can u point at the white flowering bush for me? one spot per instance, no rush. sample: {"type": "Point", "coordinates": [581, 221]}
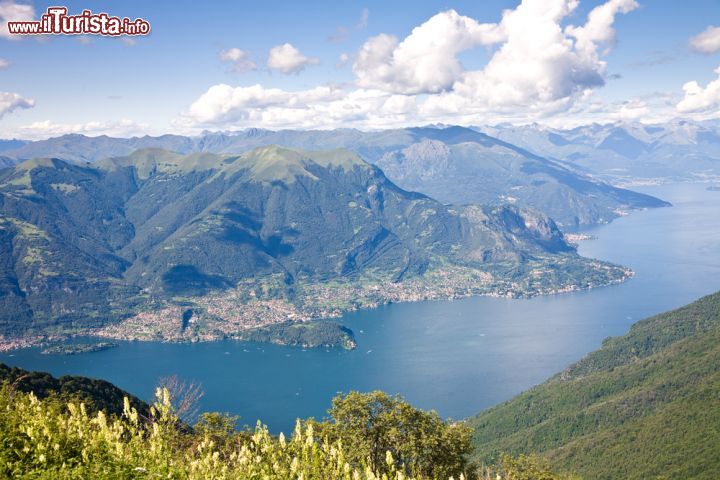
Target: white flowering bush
{"type": "Point", "coordinates": [56, 439]}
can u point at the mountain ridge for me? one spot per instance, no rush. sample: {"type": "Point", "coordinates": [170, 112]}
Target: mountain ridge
{"type": "Point", "coordinates": [568, 194]}
{"type": "Point", "coordinates": [154, 235]}
{"type": "Point", "coordinates": [626, 153]}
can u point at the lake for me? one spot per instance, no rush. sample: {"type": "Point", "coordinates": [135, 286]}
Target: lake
{"type": "Point", "coordinates": [457, 357]}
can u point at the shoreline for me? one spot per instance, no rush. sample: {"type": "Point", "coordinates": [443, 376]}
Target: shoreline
{"type": "Point", "coordinates": [171, 316]}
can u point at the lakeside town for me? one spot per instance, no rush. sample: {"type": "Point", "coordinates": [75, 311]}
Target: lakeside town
{"type": "Point", "coordinates": [234, 313]}
{"type": "Point", "coordinates": [254, 305]}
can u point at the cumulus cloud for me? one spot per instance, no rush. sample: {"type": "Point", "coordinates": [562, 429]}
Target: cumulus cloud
{"type": "Point", "coordinates": [12, 101]}
{"type": "Point", "coordinates": [538, 65]}
{"type": "Point", "coordinates": [4, 63]}
{"type": "Point", "coordinates": [223, 103]}
{"type": "Point", "coordinates": [239, 59]}
{"type": "Point", "coordinates": [14, 12]}
{"type": "Point", "coordinates": [536, 60]}
{"type": "Point", "coordinates": [599, 25]}
{"type": "Point", "coordinates": [47, 129]}
{"type": "Point", "coordinates": [699, 99]}
{"type": "Point", "coordinates": [631, 110]}
{"type": "Point", "coordinates": [655, 107]}
{"type": "Point", "coordinates": [320, 107]}
{"type": "Point", "coordinates": [287, 59]}
{"type": "Point", "coordinates": [426, 60]}
{"type": "Point", "coordinates": [707, 41]}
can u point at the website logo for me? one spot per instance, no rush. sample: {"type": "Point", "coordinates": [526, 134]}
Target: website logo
{"type": "Point", "coordinates": [56, 21]}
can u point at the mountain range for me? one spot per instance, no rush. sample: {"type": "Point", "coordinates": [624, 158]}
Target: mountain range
{"type": "Point", "coordinates": [434, 161]}
{"type": "Point", "coordinates": [154, 234]}
{"type": "Point", "coordinates": [626, 152]}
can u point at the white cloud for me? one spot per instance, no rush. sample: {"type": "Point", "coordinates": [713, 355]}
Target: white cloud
{"type": "Point", "coordinates": [426, 60]}
{"type": "Point", "coordinates": [320, 107]}
{"type": "Point", "coordinates": [538, 66]}
{"type": "Point", "coordinates": [541, 68]}
{"type": "Point", "coordinates": [656, 107]}
{"type": "Point", "coordinates": [631, 110]}
{"type": "Point", "coordinates": [343, 59]}
{"type": "Point", "coordinates": [47, 129]}
{"type": "Point", "coordinates": [288, 59]}
{"type": "Point", "coordinates": [4, 63]}
{"type": "Point", "coordinates": [12, 101]}
{"type": "Point", "coordinates": [699, 99]}
{"type": "Point", "coordinates": [599, 25]}
{"type": "Point", "coordinates": [223, 103]}
{"type": "Point", "coordinates": [536, 62]}
{"type": "Point", "coordinates": [14, 12]}
{"type": "Point", "coordinates": [239, 59]}
{"type": "Point", "coordinates": [707, 41]}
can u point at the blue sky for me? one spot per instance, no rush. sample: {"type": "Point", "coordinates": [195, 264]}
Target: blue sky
{"type": "Point", "coordinates": [631, 63]}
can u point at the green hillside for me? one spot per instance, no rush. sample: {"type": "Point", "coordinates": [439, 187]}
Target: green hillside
{"type": "Point", "coordinates": [161, 246]}
{"type": "Point", "coordinates": [96, 394]}
{"type": "Point", "coordinates": [644, 406]}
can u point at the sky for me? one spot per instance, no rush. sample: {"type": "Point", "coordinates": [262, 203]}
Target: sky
{"type": "Point", "coordinates": [224, 66]}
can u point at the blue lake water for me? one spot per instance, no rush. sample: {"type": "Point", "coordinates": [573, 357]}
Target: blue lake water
{"type": "Point", "coordinates": [457, 357]}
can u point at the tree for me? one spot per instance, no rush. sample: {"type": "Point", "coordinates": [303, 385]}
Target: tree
{"type": "Point", "coordinates": [369, 425]}
{"type": "Point", "coordinates": [524, 467]}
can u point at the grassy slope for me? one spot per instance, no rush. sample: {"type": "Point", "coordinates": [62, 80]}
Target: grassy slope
{"type": "Point", "coordinates": [646, 405]}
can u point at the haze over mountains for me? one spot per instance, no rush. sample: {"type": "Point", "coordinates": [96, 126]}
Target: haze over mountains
{"type": "Point", "coordinates": [84, 245]}
{"type": "Point", "coordinates": [434, 161]}
{"type": "Point", "coordinates": [679, 150]}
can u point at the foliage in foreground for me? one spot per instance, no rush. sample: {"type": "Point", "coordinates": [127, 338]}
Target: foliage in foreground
{"type": "Point", "coordinates": [371, 425]}
{"type": "Point", "coordinates": [524, 467]}
{"type": "Point", "coordinates": [54, 438]}
{"type": "Point", "coordinates": [46, 439]}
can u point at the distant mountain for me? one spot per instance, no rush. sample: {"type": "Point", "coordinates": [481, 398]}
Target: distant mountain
{"type": "Point", "coordinates": [434, 161]}
{"type": "Point", "coordinates": [646, 405]}
{"type": "Point", "coordinates": [154, 235]}
{"type": "Point", "coordinates": [626, 152]}
{"type": "Point", "coordinates": [11, 144]}
{"type": "Point", "coordinates": [457, 165]}
{"type": "Point", "coordinates": [82, 149]}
